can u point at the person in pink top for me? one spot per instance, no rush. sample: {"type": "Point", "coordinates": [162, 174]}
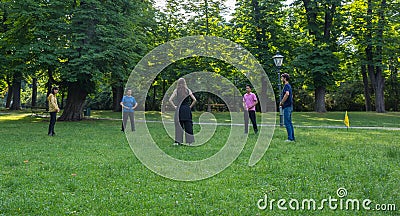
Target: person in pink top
{"type": "Point", "coordinates": [249, 104]}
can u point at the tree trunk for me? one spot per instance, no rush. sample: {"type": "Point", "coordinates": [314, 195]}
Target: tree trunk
{"type": "Point", "coordinates": [163, 87]}
{"type": "Point", "coordinates": [368, 49]}
{"type": "Point", "coordinates": [322, 35]}
{"type": "Point", "coordinates": [261, 43]}
{"type": "Point", "coordinates": [311, 13]}
{"type": "Point", "coordinates": [329, 13]}
{"type": "Point", "coordinates": [370, 67]}
{"type": "Point", "coordinates": [320, 99]}
{"type": "Point", "coordinates": [367, 94]}
{"type": "Point", "coordinates": [9, 94]}
{"type": "Point", "coordinates": [257, 17]}
{"type": "Point", "coordinates": [118, 93]}
{"type": "Point", "coordinates": [396, 92]}
{"type": "Point", "coordinates": [74, 107]}
{"type": "Point", "coordinates": [50, 81]}
{"type": "Point", "coordinates": [16, 92]}
{"type": "Point", "coordinates": [49, 84]}
{"type": "Point", "coordinates": [207, 24]}
{"type": "Point", "coordinates": [263, 96]}
{"type": "Point", "coordinates": [395, 88]}
{"type": "Point", "coordinates": [62, 100]}
{"type": "Point", "coordinates": [34, 92]}
{"type": "Point", "coordinates": [380, 80]}
{"type": "Point", "coordinates": [154, 98]}
{"type": "Point", "coordinates": [379, 93]}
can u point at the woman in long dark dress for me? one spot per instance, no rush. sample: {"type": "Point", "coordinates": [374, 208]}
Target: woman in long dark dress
{"type": "Point", "coordinates": [183, 114]}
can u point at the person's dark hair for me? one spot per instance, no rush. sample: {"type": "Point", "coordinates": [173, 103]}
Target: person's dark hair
{"type": "Point", "coordinates": [54, 88]}
{"type": "Point", "coordinates": [248, 85]}
{"type": "Point", "coordinates": [286, 76]}
{"type": "Point", "coordinates": [126, 91]}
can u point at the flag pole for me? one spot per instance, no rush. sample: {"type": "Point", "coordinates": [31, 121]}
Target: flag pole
{"type": "Point", "coordinates": [346, 121]}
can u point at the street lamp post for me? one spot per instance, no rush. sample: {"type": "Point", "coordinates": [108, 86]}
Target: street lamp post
{"type": "Point", "coordinates": [278, 60]}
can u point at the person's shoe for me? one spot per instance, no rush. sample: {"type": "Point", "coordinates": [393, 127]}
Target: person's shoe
{"type": "Point", "coordinates": [176, 144]}
{"type": "Point", "coordinates": [289, 140]}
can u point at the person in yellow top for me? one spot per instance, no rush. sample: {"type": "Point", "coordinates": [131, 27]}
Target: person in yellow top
{"type": "Point", "coordinates": [53, 109]}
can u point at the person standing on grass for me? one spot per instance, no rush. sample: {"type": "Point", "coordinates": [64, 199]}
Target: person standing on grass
{"type": "Point", "coordinates": [287, 105]}
{"type": "Point", "coordinates": [249, 104]}
{"type": "Point", "coordinates": [53, 110]}
{"type": "Point", "coordinates": [129, 105]}
{"type": "Point", "coordinates": [183, 114]}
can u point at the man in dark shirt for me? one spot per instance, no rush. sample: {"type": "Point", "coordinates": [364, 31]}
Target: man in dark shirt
{"type": "Point", "coordinates": [287, 106]}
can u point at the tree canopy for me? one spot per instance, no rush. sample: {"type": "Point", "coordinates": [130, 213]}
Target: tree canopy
{"type": "Point", "coordinates": [341, 54]}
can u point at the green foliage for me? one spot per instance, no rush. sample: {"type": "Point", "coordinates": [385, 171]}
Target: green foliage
{"type": "Point", "coordinates": [95, 41]}
{"type": "Point", "coordinates": [371, 38]}
{"type": "Point", "coordinates": [349, 97]}
{"type": "Point", "coordinates": [393, 90]}
{"type": "Point", "coordinates": [101, 99]}
{"type": "Point", "coordinates": [303, 100]}
{"type": "Point", "coordinates": [318, 64]}
{"type": "Point", "coordinates": [259, 27]}
{"type": "Point", "coordinates": [207, 17]}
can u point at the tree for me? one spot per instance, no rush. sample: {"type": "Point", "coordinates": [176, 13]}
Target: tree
{"type": "Point", "coordinates": [126, 42]}
{"type": "Point", "coordinates": [392, 52]}
{"type": "Point", "coordinates": [16, 44]}
{"type": "Point", "coordinates": [104, 38]}
{"type": "Point", "coordinates": [260, 26]}
{"type": "Point", "coordinates": [184, 18]}
{"type": "Point", "coordinates": [372, 26]}
{"type": "Point", "coordinates": [5, 52]}
{"type": "Point", "coordinates": [49, 41]}
{"type": "Point", "coordinates": [375, 64]}
{"type": "Point", "coordinates": [31, 41]}
{"type": "Point", "coordinates": [321, 24]}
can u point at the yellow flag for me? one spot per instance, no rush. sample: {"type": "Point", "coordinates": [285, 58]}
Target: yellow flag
{"type": "Point", "coordinates": [346, 120]}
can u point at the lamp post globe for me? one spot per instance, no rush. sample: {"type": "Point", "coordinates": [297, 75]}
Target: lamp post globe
{"type": "Point", "coordinates": [278, 60]}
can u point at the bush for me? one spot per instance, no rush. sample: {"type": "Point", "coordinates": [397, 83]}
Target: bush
{"type": "Point", "coordinates": [349, 96]}
{"type": "Point", "coordinates": [101, 100]}
{"type": "Point", "coordinates": [303, 100]}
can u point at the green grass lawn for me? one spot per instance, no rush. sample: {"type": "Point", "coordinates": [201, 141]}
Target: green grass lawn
{"type": "Point", "coordinates": [389, 119]}
{"type": "Point", "coordinates": [90, 169]}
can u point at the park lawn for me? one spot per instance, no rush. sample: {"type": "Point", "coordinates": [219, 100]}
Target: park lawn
{"type": "Point", "coordinates": [89, 169]}
{"type": "Point", "coordinates": [357, 119]}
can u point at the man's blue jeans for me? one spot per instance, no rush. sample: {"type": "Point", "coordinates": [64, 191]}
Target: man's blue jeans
{"type": "Point", "coordinates": [287, 119]}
